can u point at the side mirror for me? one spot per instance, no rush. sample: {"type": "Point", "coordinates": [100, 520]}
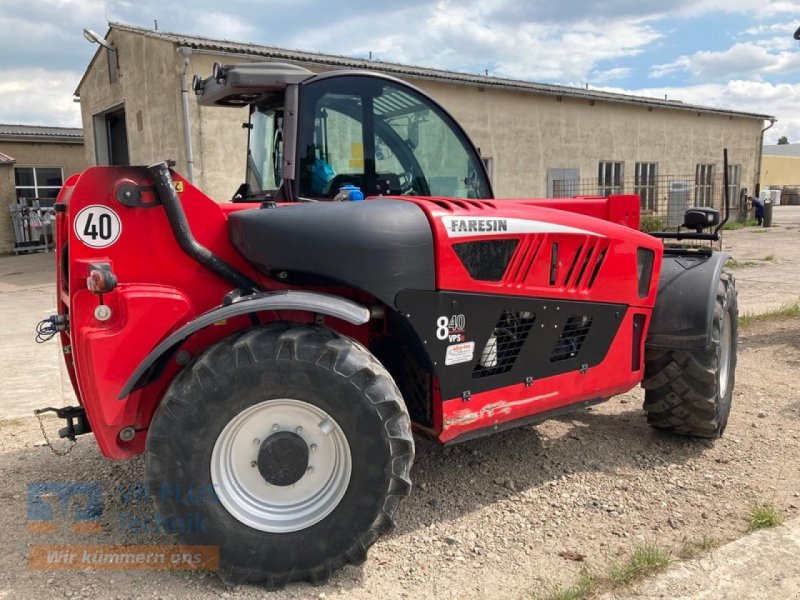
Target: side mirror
{"type": "Point", "coordinates": [700, 218]}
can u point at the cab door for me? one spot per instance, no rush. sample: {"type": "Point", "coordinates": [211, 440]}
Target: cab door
{"type": "Point", "coordinates": [383, 136]}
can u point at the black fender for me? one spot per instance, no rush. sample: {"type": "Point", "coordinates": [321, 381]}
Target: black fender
{"type": "Point", "coordinates": [687, 291]}
{"type": "Point", "coordinates": [333, 306]}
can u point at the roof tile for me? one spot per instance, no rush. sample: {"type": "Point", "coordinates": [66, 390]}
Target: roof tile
{"type": "Point", "coordinates": [40, 132]}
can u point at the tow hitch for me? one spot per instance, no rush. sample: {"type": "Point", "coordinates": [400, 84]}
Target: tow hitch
{"type": "Point", "coordinates": [77, 423]}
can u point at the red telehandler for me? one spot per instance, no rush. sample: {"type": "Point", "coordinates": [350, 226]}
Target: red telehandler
{"type": "Point", "coordinates": [274, 354]}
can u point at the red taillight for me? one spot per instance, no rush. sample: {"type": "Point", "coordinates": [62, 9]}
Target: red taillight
{"type": "Point", "coordinates": [101, 281]}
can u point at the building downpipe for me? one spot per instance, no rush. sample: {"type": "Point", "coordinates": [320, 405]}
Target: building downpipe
{"type": "Point", "coordinates": [757, 180]}
{"type": "Point", "coordinates": [187, 124]}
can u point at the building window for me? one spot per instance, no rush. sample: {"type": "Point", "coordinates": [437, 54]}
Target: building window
{"type": "Point", "coordinates": [704, 185]}
{"type": "Point", "coordinates": [646, 185]}
{"type": "Point", "coordinates": [609, 178]}
{"type": "Point", "coordinates": [41, 183]}
{"type": "Point", "coordinates": [734, 183]}
{"type": "Point", "coordinates": [489, 164]}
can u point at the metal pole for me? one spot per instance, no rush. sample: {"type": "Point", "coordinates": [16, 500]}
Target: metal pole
{"type": "Point", "coordinates": [187, 126]}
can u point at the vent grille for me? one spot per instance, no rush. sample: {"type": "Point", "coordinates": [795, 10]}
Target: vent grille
{"type": "Point", "coordinates": [486, 260]}
{"type": "Point", "coordinates": [571, 339]}
{"type": "Point", "coordinates": [503, 346]}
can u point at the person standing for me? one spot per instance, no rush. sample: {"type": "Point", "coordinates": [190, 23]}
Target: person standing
{"type": "Point", "coordinates": [758, 206]}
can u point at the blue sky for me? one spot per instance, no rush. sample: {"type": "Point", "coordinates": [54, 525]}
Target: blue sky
{"type": "Point", "coordinates": [737, 54]}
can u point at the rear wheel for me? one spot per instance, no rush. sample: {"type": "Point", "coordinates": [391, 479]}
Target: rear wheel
{"type": "Point", "coordinates": [689, 392]}
{"type": "Point", "coordinates": [305, 441]}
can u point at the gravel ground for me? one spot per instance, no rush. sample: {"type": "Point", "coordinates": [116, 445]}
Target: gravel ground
{"type": "Point", "coordinates": [487, 518]}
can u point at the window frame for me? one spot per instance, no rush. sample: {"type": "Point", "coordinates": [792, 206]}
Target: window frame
{"type": "Point", "coordinates": [648, 201]}
{"type": "Point", "coordinates": [617, 181]}
{"type": "Point", "coordinates": [36, 187]}
{"type": "Point", "coordinates": [734, 183]}
{"type": "Point", "coordinates": [704, 184]}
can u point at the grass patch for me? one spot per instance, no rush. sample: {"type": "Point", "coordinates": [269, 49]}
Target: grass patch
{"type": "Point", "coordinates": [643, 561]}
{"type": "Point", "coordinates": [769, 257]}
{"type": "Point", "coordinates": [9, 423]}
{"type": "Point", "coordinates": [692, 548]}
{"type": "Point", "coordinates": [583, 588]}
{"type": "Point", "coordinates": [763, 516]}
{"type": "Point", "coordinates": [734, 225]}
{"type": "Point", "coordinates": [739, 264]}
{"type": "Point", "coordinates": [789, 310]}
{"type": "Point", "coordinates": [648, 224]}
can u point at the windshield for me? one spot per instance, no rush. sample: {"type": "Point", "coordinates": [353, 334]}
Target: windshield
{"type": "Point", "coordinates": [384, 138]}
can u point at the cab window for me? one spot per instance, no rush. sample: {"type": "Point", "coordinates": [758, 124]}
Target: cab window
{"type": "Point", "coordinates": [265, 150]}
{"type": "Point", "coordinates": [384, 138]}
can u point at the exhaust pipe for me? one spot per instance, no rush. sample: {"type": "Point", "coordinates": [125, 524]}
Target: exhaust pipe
{"type": "Point", "coordinates": [165, 190]}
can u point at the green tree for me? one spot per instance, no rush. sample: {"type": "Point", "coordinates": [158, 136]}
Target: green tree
{"type": "Point", "coordinates": [783, 140]}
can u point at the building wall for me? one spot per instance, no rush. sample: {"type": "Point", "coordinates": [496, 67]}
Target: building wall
{"type": "Point", "coordinates": [780, 171]}
{"type": "Point", "coordinates": [218, 140]}
{"type": "Point", "coordinates": [149, 88]}
{"type": "Point", "coordinates": [525, 134]}
{"type": "Point", "coordinates": [6, 198]}
{"type": "Point", "coordinates": [70, 157]}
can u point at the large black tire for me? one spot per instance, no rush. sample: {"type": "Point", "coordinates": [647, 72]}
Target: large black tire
{"type": "Point", "coordinates": [321, 369]}
{"type": "Point", "coordinates": [689, 392]}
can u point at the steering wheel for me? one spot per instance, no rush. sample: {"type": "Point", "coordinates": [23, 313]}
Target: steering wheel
{"type": "Point", "coordinates": [406, 179]}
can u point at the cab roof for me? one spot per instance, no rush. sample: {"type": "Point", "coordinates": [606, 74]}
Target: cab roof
{"type": "Point", "coordinates": [243, 84]}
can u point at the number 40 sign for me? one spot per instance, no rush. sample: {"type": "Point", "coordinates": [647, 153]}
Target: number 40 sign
{"type": "Point", "coordinates": [97, 226]}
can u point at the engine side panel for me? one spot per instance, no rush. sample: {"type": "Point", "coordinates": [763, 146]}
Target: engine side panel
{"type": "Point", "coordinates": [553, 253]}
{"type": "Point", "coordinates": [483, 342]}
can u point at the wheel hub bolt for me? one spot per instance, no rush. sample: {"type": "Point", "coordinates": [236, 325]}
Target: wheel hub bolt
{"type": "Point", "coordinates": [256, 442]}
{"type": "Point", "coordinates": [298, 430]}
{"type": "Point", "coordinates": [310, 469]}
{"type": "Point", "coordinates": [253, 464]}
{"type": "Point", "coordinates": [313, 447]}
{"type": "Point", "coordinates": [275, 427]}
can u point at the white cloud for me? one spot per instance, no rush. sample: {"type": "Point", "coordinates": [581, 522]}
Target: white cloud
{"type": "Point", "coordinates": [741, 59]}
{"type": "Point", "coordinates": [756, 9]}
{"type": "Point", "coordinates": [778, 99]}
{"type": "Point", "coordinates": [610, 75]}
{"type": "Point", "coordinates": [39, 97]}
{"type": "Point", "coordinates": [222, 25]}
{"type": "Point", "coordinates": [462, 37]}
{"type": "Point", "coordinates": [781, 28]}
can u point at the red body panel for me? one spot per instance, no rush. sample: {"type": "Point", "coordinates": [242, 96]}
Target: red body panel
{"type": "Point", "coordinates": [160, 289]}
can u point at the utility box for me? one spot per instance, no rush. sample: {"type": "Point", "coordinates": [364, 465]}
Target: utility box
{"type": "Point", "coordinates": [768, 213]}
{"type": "Point", "coordinates": [678, 199]}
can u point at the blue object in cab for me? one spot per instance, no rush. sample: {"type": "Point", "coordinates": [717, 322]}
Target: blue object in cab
{"type": "Point", "coordinates": [353, 192]}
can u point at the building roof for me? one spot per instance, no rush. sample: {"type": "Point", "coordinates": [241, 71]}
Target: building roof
{"type": "Point", "coordinates": [401, 70]}
{"type": "Point", "coordinates": [781, 150]}
{"type": "Point", "coordinates": [5, 159]}
{"type": "Point", "coordinates": [40, 133]}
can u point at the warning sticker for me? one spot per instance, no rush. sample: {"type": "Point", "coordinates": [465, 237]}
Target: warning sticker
{"type": "Point", "coordinates": [459, 353]}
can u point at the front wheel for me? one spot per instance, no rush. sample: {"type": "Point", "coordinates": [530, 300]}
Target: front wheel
{"type": "Point", "coordinates": [305, 441]}
{"type": "Point", "coordinates": [689, 392]}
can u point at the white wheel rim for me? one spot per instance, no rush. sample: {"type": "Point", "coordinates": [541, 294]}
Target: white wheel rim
{"type": "Point", "coordinates": [242, 489]}
{"type": "Point", "coordinates": [725, 339]}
